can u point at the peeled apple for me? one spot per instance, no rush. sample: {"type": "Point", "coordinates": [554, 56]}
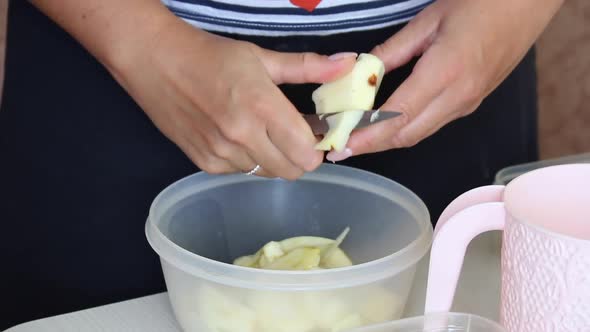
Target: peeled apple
{"type": "Point", "coordinates": [228, 309]}
{"type": "Point", "coordinates": [326, 309]}
{"type": "Point", "coordinates": [299, 253]}
{"type": "Point", "coordinates": [348, 322]}
{"type": "Point", "coordinates": [349, 96]}
{"type": "Point", "coordinates": [341, 125]}
{"type": "Point", "coordinates": [354, 91]}
{"type": "Point", "coordinates": [378, 305]}
{"type": "Point", "coordinates": [224, 309]}
{"type": "Point", "coordinates": [284, 315]}
{"type": "Point", "coordinates": [222, 313]}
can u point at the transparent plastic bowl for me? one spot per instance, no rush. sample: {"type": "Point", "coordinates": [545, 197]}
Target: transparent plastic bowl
{"type": "Point", "coordinates": [507, 174]}
{"type": "Point", "coordinates": [437, 322]}
{"type": "Point", "coordinates": [201, 223]}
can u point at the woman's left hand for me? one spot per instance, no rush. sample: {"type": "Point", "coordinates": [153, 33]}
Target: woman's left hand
{"type": "Point", "coordinates": [466, 49]}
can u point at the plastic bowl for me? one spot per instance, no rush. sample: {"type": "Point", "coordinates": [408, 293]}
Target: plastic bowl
{"type": "Point", "coordinates": [201, 223]}
{"type": "Point", "coordinates": [437, 322]}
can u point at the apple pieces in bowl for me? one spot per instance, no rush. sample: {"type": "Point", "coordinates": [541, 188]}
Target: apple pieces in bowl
{"type": "Point", "coordinates": [299, 253]}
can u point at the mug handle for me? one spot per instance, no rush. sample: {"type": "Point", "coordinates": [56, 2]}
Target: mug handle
{"type": "Point", "coordinates": [472, 213]}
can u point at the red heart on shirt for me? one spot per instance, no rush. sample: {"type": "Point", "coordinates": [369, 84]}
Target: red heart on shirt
{"type": "Point", "coordinates": [308, 5]}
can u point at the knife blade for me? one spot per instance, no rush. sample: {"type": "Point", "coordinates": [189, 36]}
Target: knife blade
{"type": "Point", "coordinates": [319, 124]}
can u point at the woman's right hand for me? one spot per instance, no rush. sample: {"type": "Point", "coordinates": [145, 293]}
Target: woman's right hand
{"type": "Point", "coordinates": [218, 99]}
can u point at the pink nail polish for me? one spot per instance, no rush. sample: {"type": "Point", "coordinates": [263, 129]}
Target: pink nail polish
{"type": "Point", "coordinates": [343, 55]}
{"type": "Point", "coordinates": [334, 156]}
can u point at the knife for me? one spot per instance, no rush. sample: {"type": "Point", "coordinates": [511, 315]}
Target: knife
{"type": "Point", "coordinates": [319, 125]}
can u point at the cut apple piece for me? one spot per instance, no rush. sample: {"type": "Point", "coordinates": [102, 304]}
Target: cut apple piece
{"type": "Point", "coordinates": [341, 125]}
{"type": "Point", "coordinates": [299, 253]}
{"type": "Point", "coordinates": [349, 322]}
{"type": "Point", "coordinates": [335, 259]}
{"type": "Point", "coordinates": [270, 252]}
{"type": "Point", "coordinates": [297, 259]}
{"type": "Point", "coordinates": [279, 312]}
{"type": "Point", "coordinates": [304, 241]}
{"type": "Point", "coordinates": [354, 91]}
{"type": "Point", "coordinates": [327, 250]}
{"type": "Point", "coordinates": [378, 304]}
{"type": "Point", "coordinates": [348, 96]}
{"type": "Point", "coordinates": [221, 312]}
{"type": "Point", "coordinates": [326, 309]}
{"type": "Point", "coordinates": [247, 261]}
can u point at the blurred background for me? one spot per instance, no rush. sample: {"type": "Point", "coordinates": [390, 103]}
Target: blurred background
{"type": "Point", "coordinates": [563, 61]}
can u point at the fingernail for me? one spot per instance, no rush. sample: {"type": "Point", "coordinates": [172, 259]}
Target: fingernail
{"type": "Point", "coordinates": [334, 156]}
{"type": "Point", "coordinates": [343, 55]}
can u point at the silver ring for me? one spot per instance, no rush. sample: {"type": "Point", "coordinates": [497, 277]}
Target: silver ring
{"type": "Point", "coordinates": [254, 170]}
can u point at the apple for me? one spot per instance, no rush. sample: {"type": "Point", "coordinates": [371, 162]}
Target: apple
{"type": "Point", "coordinates": [299, 253]}
{"type": "Point", "coordinates": [349, 96]}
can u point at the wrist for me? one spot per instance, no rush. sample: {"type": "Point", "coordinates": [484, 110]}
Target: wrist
{"type": "Point", "coordinates": [158, 46]}
{"type": "Point", "coordinates": [131, 38]}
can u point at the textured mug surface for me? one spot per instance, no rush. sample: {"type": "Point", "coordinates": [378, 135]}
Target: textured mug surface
{"type": "Point", "coordinates": [545, 216]}
{"type": "Point", "coordinates": [545, 281]}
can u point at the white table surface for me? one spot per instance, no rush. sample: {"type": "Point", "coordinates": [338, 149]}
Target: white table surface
{"type": "Point", "coordinates": [478, 292]}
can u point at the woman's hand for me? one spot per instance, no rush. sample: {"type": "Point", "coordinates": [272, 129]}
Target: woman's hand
{"type": "Point", "coordinates": [216, 98]}
{"type": "Point", "coordinates": [466, 49]}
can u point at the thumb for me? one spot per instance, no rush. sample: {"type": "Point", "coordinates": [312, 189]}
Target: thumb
{"type": "Point", "coordinates": [306, 67]}
{"type": "Point", "coordinates": [410, 41]}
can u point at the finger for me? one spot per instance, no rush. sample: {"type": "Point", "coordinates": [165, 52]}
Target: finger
{"type": "Point", "coordinates": [224, 149]}
{"type": "Point", "coordinates": [433, 74]}
{"type": "Point", "coordinates": [205, 160]}
{"type": "Point", "coordinates": [291, 135]}
{"type": "Point", "coordinates": [271, 159]}
{"type": "Point", "coordinates": [235, 155]}
{"type": "Point", "coordinates": [306, 67]}
{"type": "Point", "coordinates": [239, 158]}
{"type": "Point", "coordinates": [245, 124]}
{"type": "Point", "coordinates": [440, 112]}
{"type": "Point", "coordinates": [410, 41]}
{"type": "Point", "coordinates": [291, 150]}
{"type": "Point", "coordinates": [410, 98]}
{"type": "Point", "coordinates": [196, 145]}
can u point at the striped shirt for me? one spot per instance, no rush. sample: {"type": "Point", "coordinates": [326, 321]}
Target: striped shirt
{"type": "Point", "coordinates": [294, 17]}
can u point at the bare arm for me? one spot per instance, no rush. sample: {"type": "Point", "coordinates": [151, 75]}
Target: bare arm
{"type": "Point", "coordinates": [107, 28]}
{"type": "Point", "coordinates": [216, 98]}
{"type": "Point", "coordinates": [466, 49]}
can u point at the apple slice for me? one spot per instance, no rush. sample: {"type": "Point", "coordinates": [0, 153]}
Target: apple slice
{"type": "Point", "coordinates": [299, 253]}
{"type": "Point", "coordinates": [335, 259]}
{"type": "Point", "coordinates": [247, 261]}
{"type": "Point", "coordinates": [379, 304]}
{"type": "Point", "coordinates": [354, 91]}
{"type": "Point", "coordinates": [341, 125]}
{"type": "Point", "coordinates": [304, 241]}
{"type": "Point", "coordinates": [325, 308]}
{"type": "Point", "coordinates": [270, 252]}
{"type": "Point", "coordinates": [297, 259]}
{"type": "Point", "coordinates": [349, 322]}
{"type": "Point", "coordinates": [220, 311]}
{"type": "Point", "coordinates": [349, 96]}
{"type": "Point", "coordinates": [278, 312]}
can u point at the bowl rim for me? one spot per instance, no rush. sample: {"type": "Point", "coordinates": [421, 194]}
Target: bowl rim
{"type": "Point", "coordinates": [358, 274]}
{"type": "Point", "coordinates": [434, 316]}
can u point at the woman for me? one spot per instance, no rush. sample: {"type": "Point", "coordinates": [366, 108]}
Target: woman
{"type": "Point", "coordinates": [107, 102]}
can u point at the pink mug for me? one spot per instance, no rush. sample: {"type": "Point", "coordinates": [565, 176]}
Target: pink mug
{"type": "Point", "coordinates": [545, 216]}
